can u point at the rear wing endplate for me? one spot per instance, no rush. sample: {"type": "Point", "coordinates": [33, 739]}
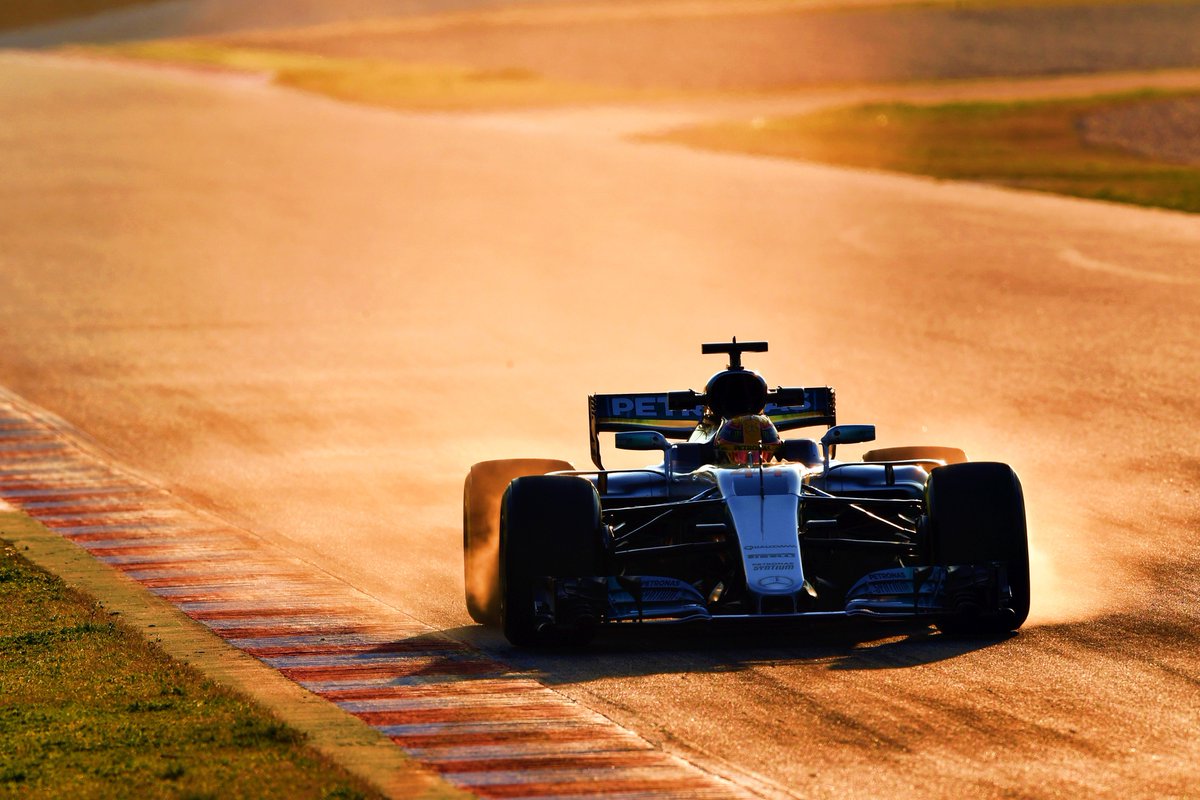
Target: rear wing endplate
{"type": "Point", "coordinates": [676, 414]}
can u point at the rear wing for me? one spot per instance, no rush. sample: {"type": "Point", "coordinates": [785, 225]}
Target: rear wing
{"type": "Point", "coordinates": [676, 414]}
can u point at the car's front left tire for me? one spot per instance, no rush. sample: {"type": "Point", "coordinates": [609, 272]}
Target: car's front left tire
{"type": "Point", "coordinates": [976, 516]}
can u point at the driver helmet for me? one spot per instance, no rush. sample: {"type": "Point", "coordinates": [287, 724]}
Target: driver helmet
{"type": "Point", "coordinates": [747, 441]}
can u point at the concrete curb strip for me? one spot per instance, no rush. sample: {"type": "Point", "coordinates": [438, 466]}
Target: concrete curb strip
{"type": "Point", "coordinates": [358, 747]}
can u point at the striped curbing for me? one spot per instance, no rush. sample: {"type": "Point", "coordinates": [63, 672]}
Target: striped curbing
{"type": "Point", "coordinates": [462, 721]}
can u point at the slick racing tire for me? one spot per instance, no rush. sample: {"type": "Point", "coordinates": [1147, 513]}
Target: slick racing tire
{"type": "Point", "coordinates": [482, 490]}
{"type": "Point", "coordinates": [976, 515]}
{"type": "Point", "coordinates": [951, 455]}
{"type": "Point", "coordinates": [549, 527]}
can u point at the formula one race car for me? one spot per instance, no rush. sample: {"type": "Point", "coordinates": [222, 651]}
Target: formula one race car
{"type": "Point", "coordinates": [738, 523]}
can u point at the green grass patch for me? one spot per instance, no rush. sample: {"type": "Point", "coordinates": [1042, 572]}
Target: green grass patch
{"type": "Point", "coordinates": [89, 708]}
{"type": "Point", "coordinates": [1027, 145]}
{"type": "Point", "coordinates": [381, 82]}
{"type": "Point", "coordinates": [23, 13]}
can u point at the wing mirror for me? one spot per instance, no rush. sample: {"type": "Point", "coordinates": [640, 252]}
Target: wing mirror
{"type": "Point", "coordinates": [844, 434]}
{"type": "Point", "coordinates": [642, 440]}
{"type": "Point", "coordinates": [848, 434]}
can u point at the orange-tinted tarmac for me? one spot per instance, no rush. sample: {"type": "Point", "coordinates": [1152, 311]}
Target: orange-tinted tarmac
{"type": "Point", "coordinates": [311, 318]}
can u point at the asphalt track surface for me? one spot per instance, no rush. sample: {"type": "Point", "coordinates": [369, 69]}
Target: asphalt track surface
{"type": "Point", "coordinates": [310, 319]}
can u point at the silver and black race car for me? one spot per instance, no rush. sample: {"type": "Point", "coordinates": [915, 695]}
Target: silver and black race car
{"type": "Point", "coordinates": [739, 523]}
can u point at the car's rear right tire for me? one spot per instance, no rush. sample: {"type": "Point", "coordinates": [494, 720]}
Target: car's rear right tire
{"type": "Point", "coordinates": [976, 516]}
{"type": "Point", "coordinates": [549, 528]}
{"type": "Point", "coordinates": [482, 490]}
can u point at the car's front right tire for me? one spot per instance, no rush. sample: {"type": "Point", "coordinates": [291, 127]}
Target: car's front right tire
{"type": "Point", "coordinates": [549, 528]}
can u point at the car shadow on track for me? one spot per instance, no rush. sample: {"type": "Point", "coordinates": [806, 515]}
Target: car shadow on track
{"type": "Point", "coordinates": [635, 650]}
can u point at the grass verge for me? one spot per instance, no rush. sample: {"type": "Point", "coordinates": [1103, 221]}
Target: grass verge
{"type": "Point", "coordinates": [89, 708]}
{"type": "Point", "coordinates": [378, 81]}
{"type": "Point", "coordinates": [1028, 145]}
{"type": "Point", "coordinates": [23, 14]}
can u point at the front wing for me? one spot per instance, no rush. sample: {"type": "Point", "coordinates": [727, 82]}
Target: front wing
{"type": "Point", "coordinates": [900, 593]}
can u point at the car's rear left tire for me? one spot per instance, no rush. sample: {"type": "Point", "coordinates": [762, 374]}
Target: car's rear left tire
{"type": "Point", "coordinates": [950, 455]}
{"type": "Point", "coordinates": [976, 516]}
{"type": "Point", "coordinates": [549, 527]}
